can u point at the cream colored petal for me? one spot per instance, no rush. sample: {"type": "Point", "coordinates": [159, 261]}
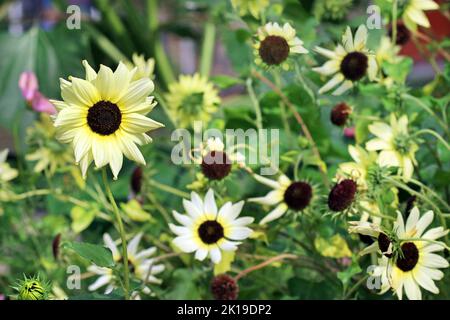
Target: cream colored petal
{"type": "Point", "coordinates": [326, 53]}
{"type": "Point", "coordinates": [210, 206]}
{"type": "Point", "coordinates": [388, 158]}
{"type": "Point", "coordinates": [138, 123]}
{"type": "Point", "coordinates": [270, 183]}
{"type": "Point", "coordinates": [417, 16]}
{"type": "Point", "coordinates": [85, 91]}
{"type": "Point", "coordinates": [82, 143]}
{"type": "Point", "coordinates": [426, 4]}
{"type": "Point", "coordinates": [346, 85]}
{"type": "Point", "coordinates": [90, 73]}
{"type": "Point", "coordinates": [360, 38]}
{"type": "Point", "coordinates": [381, 130]}
{"type": "Point", "coordinates": [412, 289]}
{"type": "Point", "coordinates": [347, 40]}
{"type": "Point", "coordinates": [272, 198]}
{"type": "Point", "coordinates": [133, 244]}
{"type": "Point", "coordinates": [275, 213]}
{"type": "Point", "coordinates": [329, 68]}
{"type": "Point", "coordinates": [336, 80]}
{"type": "Point", "coordinates": [137, 93]}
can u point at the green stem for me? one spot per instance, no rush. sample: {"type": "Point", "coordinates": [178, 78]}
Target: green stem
{"type": "Point", "coordinates": [207, 55]}
{"type": "Point", "coordinates": [420, 184]}
{"type": "Point", "coordinates": [283, 110]}
{"type": "Point", "coordinates": [355, 287]}
{"type": "Point", "coordinates": [421, 104]}
{"type": "Point", "coordinates": [123, 238]}
{"type": "Point", "coordinates": [168, 189]}
{"type": "Point", "coordinates": [162, 61]}
{"type": "Point", "coordinates": [435, 134]}
{"type": "Point", "coordinates": [394, 22]}
{"type": "Point", "coordinates": [255, 103]}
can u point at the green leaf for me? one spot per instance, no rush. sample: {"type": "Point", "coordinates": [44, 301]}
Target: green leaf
{"type": "Point", "coordinates": [399, 70]}
{"type": "Point", "coordinates": [96, 254]}
{"type": "Point", "coordinates": [81, 218]}
{"type": "Point", "coordinates": [224, 81]}
{"type": "Point", "coordinates": [346, 275]}
{"type": "Point", "coordinates": [225, 264]}
{"type": "Point", "coordinates": [184, 285]}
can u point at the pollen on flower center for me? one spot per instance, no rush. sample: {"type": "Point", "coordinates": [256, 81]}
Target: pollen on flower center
{"type": "Point", "coordinates": [216, 165]}
{"type": "Point", "coordinates": [104, 118]}
{"type": "Point", "coordinates": [274, 50]}
{"type": "Point", "coordinates": [410, 257]}
{"type": "Point", "coordinates": [298, 195]}
{"type": "Point", "coordinates": [210, 231]}
{"type": "Point", "coordinates": [354, 66]}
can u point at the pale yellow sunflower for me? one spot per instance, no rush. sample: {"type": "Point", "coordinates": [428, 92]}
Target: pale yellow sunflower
{"type": "Point", "coordinates": [103, 116]}
{"type": "Point", "coordinates": [191, 98]}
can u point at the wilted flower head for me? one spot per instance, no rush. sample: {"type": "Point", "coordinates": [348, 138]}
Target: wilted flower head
{"type": "Point", "coordinates": [340, 113]}
{"type": "Point", "coordinates": [224, 287]}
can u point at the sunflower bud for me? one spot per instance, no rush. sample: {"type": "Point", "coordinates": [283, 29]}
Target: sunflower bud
{"type": "Point", "coordinates": [342, 195]}
{"type": "Point", "coordinates": [136, 180]}
{"type": "Point", "coordinates": [33, 288]}
{"type": "Point", "coordinates": [216, 165]}
{"type": "Point", "coordinates": [340, 113]}
{"type": "Point", "coordinates": [224, 287]}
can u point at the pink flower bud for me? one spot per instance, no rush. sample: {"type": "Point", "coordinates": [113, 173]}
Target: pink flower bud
{"type": "Point", "coordinates": [28, 84]}
{"type": "Point", "coordinates": [42, 104]}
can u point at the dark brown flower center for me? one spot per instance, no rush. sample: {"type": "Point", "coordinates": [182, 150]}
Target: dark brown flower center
{"type": "Point", "coordinates": [340, 113]}
{"type": "Point", "coordinates": [224, 287]}
{"type": "Point", "coordinates": [383, 243]}
{"type": "Point", "coordinates": [410, 257]}
{"type": "Point", "coordinates": [403, 34]}
{"type": "Point", "coordinates": [274, 50]}
{"type": "Point", "coordinates": [342, 195]}
{"type": "Point", "coordinates": [298, 195]}
{"type": "Point", "coordinates": [104, 117]}
{"type": "Point", "coordinates": [354, 65]}
{"type": "Point", "coordinates": [131, 266]}
{"type": "Point", "coordinates": [210, 232]}
{"type": "Point", "coordinates": [216, 165]}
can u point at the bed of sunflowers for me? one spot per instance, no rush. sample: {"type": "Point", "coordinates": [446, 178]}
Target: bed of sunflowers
{"type": "Point", "coordinates": [356, 206]}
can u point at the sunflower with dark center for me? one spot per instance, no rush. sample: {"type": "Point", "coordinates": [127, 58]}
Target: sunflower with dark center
{"type": "Point", "coordinates": [342, 195]}
{"type": "Point", "coordinates": [348, 63]}
{"type": "Point", "coordinates": [417, 261]}
{"type": "Point", "coordinates": [224, 287]}
{"type": "Point", "coordinates": [139, 264]}
{"type": "Point", "coordinates": [275, 44]}
{"type": "Point", "coordinates": [340, 114]}
{"type": "Point", "coordinates": [286, 194]}
{"type": "Point", "coordinates": [207, 230]}
{"type": "Point", "coordinates": [103, 116]}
